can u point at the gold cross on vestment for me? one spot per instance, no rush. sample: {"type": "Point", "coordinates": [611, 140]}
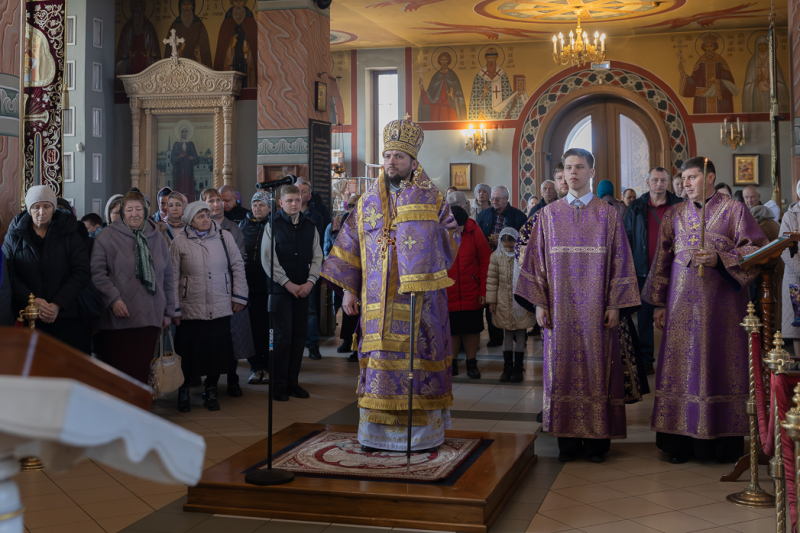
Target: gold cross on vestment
{"type": "Point", "coordinates": [694, 240]}
{"type": "Point", "coordinates": [387, 241]}
{"type": "Point", "coordinates": [373, 216]}
{"type": "Point", "coordinates": [174, 41]}
{"type": "Point", "coordinates": [694, 226]}
{"type": "Point", "coordinates": [410, 242]}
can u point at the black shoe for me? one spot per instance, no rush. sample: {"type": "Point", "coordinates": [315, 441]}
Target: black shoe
{"type": "Point", "coordinates": [568, 457]}
{"type": "Point", "coordinates": [256, 377]}
{"type": "Point", "coordinates": [648, 367]}
{"type": "Point", "coordinates": [184, 400]}
{"type": "Point", "coordinates": [494, 344]}
{"type": "Point", "coordinates": [345, 347]}
{"type": "Point", "coordinates": [313, 352]}
{"type": "Point", "coordinates": [472, 369]}
{"type": "Point", "coordinates": [597, 458]}
{"type": "Point", "coordinates": [679, 458]}
{"type": "Point", "coordinates": [210, 399]}
{"type": "Point", "coordinates": [455, 367]}
{"type": "Point", "coordinates": [280, 395]}
{"type": "Point", "coordinates": [516, 373]}
{"type": "Point", "coordinates": [353, 358]}
{"type": "Point", "coordinates": [539, 417]}
{"type": "Point", "coordinates": [234, 390]}
{"type": "Point", "coordinates": [508, 364]}
{"type": "Point", "coordinates": [298, 392]}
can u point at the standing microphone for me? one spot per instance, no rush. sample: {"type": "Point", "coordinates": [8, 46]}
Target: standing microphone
{"type": "Point", "coordinates": [287, 180]}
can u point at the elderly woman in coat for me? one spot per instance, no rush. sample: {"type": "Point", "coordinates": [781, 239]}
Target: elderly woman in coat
{"type": "Point", "coordinates": [132, 270]}
{"type": "Point", "coordinates": [46, 256]}
{"type": "Point", "coordinates": [210, 286]}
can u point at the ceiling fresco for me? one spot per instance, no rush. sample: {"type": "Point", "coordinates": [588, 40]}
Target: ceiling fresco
{"type": "Point", "coordinates": [401, 23]}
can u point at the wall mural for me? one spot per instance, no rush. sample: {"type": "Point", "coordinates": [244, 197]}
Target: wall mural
{"type": "Point", "coordinates": [221, 34]}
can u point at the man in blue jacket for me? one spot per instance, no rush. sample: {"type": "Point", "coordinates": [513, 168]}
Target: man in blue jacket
{"type": "Point", "coordinates": [492, 221]}
{"type": "Point", "coordinates": [642, 222]}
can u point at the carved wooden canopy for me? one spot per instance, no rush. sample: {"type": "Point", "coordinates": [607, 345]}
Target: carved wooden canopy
{"type": "Point", "coordinates": [176, 86]}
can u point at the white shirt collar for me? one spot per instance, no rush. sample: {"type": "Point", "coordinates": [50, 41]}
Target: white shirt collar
{"type": "Point", "coordinates": [586, 198]}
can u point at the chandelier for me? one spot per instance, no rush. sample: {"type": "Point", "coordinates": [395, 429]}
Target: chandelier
{"type": "Point", "coordinates": [580, 49]}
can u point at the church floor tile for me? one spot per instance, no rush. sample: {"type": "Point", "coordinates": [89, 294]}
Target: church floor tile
{"type": "Point", "coordinates": [635, 491]}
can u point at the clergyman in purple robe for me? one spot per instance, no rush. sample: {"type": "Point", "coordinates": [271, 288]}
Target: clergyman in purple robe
{"type": "Point", "coordinates": [702, 375]}
{"type": "Point", "coordinates": [577, 270]}
{"type": "Point", "coordinates": [400, 238]}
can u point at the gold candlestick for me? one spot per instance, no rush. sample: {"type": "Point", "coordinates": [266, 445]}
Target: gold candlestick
{"type": "Point", "coordinates": [792, 427]}
{"type": "Point", "coordinates": [776, 361]}
{"type": "Point", "coordinates": [30, 313]}
{"type": "Point", "coordinates": [753, 495]}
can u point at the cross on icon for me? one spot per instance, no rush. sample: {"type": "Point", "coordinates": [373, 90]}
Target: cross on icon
{"type": "Point", "coordinates": [495, 91]}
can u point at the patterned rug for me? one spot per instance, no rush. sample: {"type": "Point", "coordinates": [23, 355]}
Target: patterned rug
{"type": "Point", "coordinates": [331, 453]}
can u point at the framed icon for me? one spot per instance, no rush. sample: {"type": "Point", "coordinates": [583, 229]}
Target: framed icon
{"type": "Point", "coordinates": [461, 176]}
{"type": "Point", "coordinates": [322, 96]}
{"type": "Point", "coordinates": [746, 169]}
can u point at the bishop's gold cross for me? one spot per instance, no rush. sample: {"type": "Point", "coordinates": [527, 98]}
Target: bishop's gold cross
{"type": "Point", "coordinates": [407, 117]}
{"type": "Point", "coordinates": [387, 241]}
{"type": "Point", "coordinates": [410, 242]}
{"type": "Point", "coordinates": [694, 240]}
{"type": "Point", "coordinates": [373, 216]}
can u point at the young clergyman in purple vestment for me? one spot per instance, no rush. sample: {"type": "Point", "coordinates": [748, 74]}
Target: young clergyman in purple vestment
{"type": "Point", "coordinates": [578, 271]}
{"type": "Point", "coordinates": [702, 377]}
{"type": "Point", "coordinates": [401, 237]}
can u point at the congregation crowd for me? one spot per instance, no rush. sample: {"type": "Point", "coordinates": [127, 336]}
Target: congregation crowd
{"type": "Point", "coordinates": [112, 285]}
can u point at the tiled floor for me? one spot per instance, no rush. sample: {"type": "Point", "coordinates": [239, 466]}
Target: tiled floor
{"type": "Point", "coordinates": [634, 491]}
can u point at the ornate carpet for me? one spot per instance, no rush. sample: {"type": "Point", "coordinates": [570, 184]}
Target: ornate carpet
{"type": "Point", "coordinates": [330, 453]}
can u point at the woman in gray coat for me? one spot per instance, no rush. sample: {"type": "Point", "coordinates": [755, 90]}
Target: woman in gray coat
{"type": "Point", "coordinates": [210, 287]}
{"type": "Point", "coordinates": [132, 270]}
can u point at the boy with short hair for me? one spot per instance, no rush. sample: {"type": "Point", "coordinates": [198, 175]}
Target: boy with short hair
{"type": "Point", "coordinates": [93, 223]}
{"type": "Point", "coordinates": [295, 269]}
{"type": "Point", "coordinates": [576, 274]}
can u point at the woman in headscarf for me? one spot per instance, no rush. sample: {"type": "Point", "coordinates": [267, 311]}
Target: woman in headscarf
{"type": "Point", "coordinates": [176, 203]}
{"type": "Point", "coordinates": [481, 201]}
{"type": "Point", "coordinates": [132, 270]}
{"type": "Point", "coordinates": [46, 257]}
{"type": "Point", "coordinates": [112, 209]}
{"type": "Point", "coordinates": [210, 286]}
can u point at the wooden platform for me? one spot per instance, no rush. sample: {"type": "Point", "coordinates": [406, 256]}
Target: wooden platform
{"type": "Point", "coordinates": [472, 504]}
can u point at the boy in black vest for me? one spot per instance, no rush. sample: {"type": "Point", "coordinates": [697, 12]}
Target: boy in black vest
{"type": "Point", "coordinates": [295, 270]}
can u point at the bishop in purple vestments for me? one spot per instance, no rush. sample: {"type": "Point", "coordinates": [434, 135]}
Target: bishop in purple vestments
{"type": "Point", "coordinates": [401, 238]}
{"type": "Point", "coordinates": [577, 270]}
{"type": "Point", "coordinates": [702, 376]}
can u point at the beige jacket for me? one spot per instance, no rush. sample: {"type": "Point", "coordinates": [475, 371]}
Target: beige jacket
{"type": "Point", "coordinates": [203, 286]}
{"type": "Point", "coordinates": [499, 291]}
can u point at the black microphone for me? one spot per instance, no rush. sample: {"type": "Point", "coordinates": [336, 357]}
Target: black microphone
{"type": "Point", "coordinates": [288, 180]}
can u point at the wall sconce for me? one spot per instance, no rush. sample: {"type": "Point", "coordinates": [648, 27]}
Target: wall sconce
{"type": "Point", "coordinates": [733, 136]}
{"type": "Point", "coordinates": [475, 139]}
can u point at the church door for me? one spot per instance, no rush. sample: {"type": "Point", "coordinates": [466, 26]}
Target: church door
{"type": "Point", "coordinates": [621, 136]}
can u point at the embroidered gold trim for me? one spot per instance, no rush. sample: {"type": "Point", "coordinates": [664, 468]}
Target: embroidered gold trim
{"type": "Point", "coordinates": [431, 276]}
{"type": "Point", "coordinates": [399, 403]}
{"type": "Point", "coordinates": [347, 257]}
{"type": "Point", "coordinates": [416, 217]}
{"type": "Point", "coordinates": [339, 283]}
{"type": "Point", "coordinates": [417, 207]}
{"type": "Point", "coordinates": [397, 418]}
{"type": "Point", "coordinates": [623, 281]}
{"type": "Point", "coordinates": [578, 249]}
{"type": "Point", "coordinates": [394, 365]}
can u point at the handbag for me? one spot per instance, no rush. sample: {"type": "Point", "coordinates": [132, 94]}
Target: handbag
{"type": "Point", "coordinates": [166, 374]}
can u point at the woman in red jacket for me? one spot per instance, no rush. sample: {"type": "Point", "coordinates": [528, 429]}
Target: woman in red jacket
{"type": "Point", "coordinates": [467, 298]}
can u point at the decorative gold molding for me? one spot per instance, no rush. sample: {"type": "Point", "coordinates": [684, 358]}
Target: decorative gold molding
{"type": "Point", "coordinates": [181, 87]}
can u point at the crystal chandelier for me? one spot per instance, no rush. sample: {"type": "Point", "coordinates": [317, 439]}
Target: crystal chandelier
{"type": "Point", "coordinates": [580, 49]}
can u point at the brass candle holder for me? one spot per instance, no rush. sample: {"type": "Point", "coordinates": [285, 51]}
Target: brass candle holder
{"type": "Point", "coordinates": [753, 495]}
{"type": "Point", "coordinates": [792, 427]}
{"type": "Point", "coordinates": [776, 361]}
{"type": "Point", "coordinates": [30, 313]}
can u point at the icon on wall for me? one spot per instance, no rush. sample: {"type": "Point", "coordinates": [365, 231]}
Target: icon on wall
{"type": "Point", "coordinates": [444, 100]}
{"type": "Point", "coordinates": [321, 90]}
{"type": "Point", "coordinates": [711, 83]}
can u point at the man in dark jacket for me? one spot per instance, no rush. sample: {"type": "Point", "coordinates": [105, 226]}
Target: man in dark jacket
{"type": "Point", "coordinates": [492, 221]}
{"type": "Point", "coordinates": [313, 214]}
{"type": "Point", "coordinates": [253, 230]}
{"type": "Point", "coordinates": [233, 211]}
{"type": "Point", "coordinates": [642, 221]}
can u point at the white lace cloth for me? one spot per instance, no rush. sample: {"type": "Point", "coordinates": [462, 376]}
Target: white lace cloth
{"type": "Point", "coordinates": [395, 438]}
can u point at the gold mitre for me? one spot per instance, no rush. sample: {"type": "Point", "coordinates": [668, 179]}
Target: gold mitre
{"type": "Point", "coordinates": [403, 135]}
{"type": "Point", "coordinates": [710, 38]}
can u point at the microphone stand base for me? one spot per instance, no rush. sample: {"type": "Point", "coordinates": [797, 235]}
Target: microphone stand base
{"type": "Point", "coordinates": [269, 476]}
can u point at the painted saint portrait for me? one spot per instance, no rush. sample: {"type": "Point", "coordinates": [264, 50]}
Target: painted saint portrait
{"type": "Point", "coordinates": [491, 89]}
{"type": "Point", "coordinates": [238, 43]}
{"type": "Point", "coordinates": [711, 83]}
{"type": "Point", "coordinates": [190, 27]}
{"type": "Point", "coordinates": [755, 95]}
{"type": "Point", "coordinates": [444, 99]}
{"type": "Point", "coordinates": [138, 46]}
{"type": "Point", "coordinates": [39, 67]}
{"type": "Point", "coordinates": [185, 155]}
